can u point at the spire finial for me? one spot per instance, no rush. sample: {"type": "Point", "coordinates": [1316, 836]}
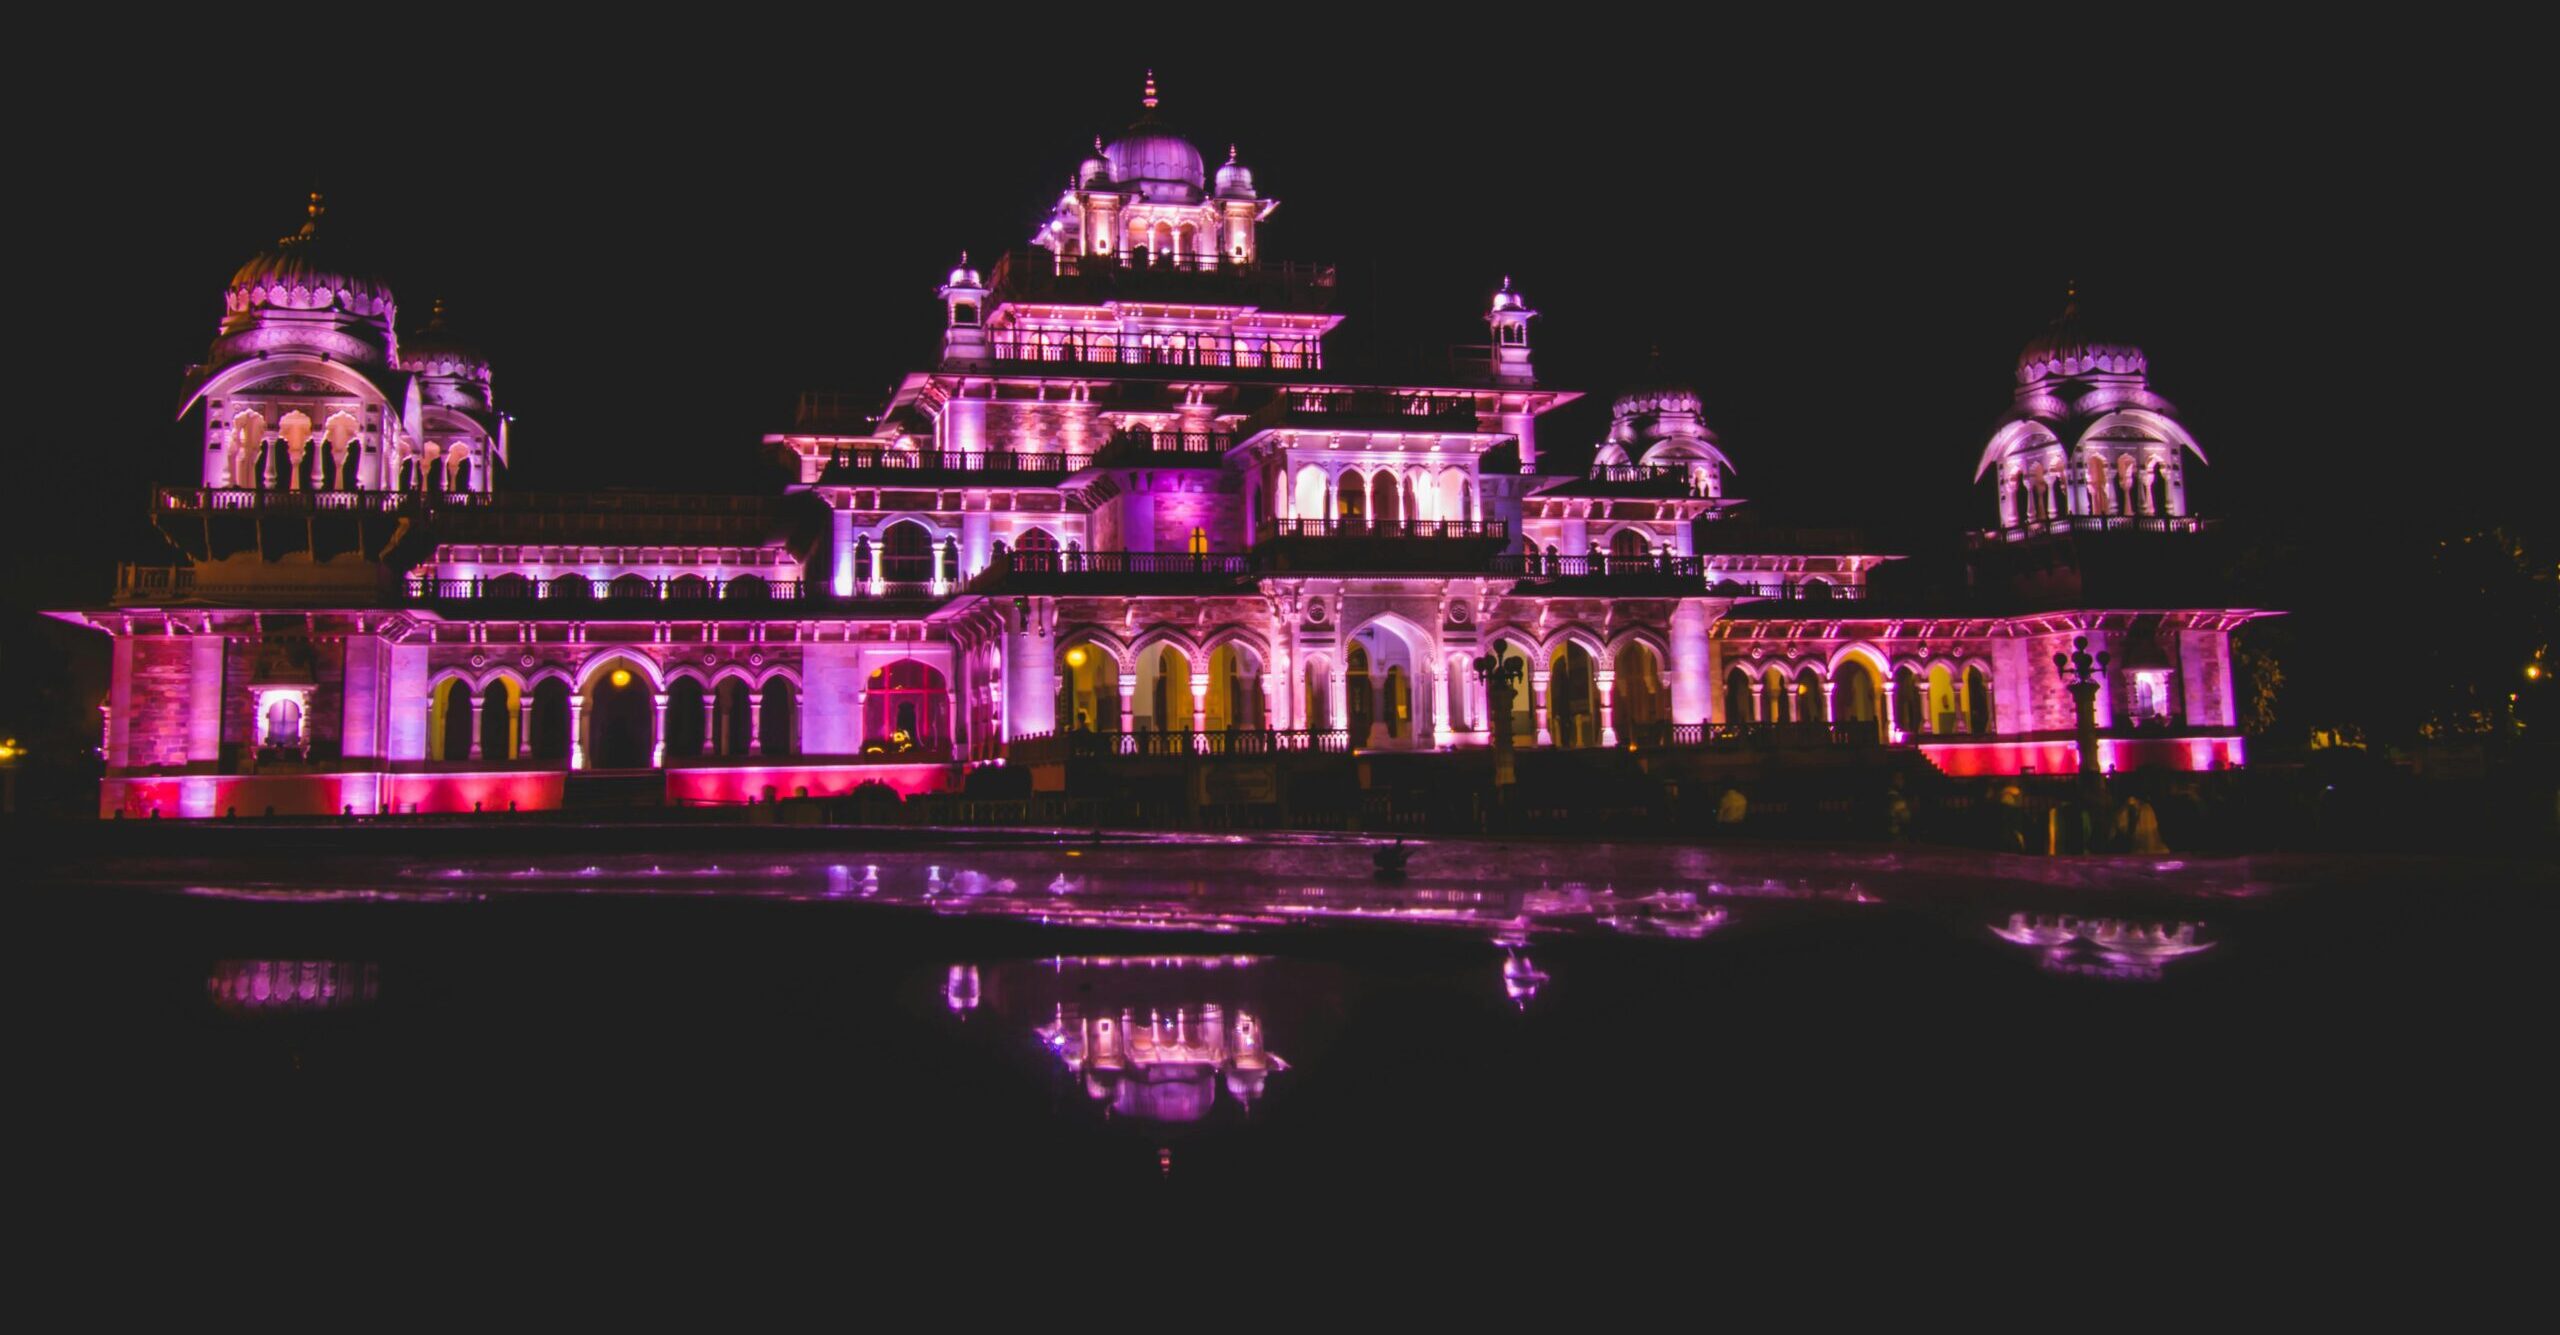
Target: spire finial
{"type": "Point", "coordinates": [311, 223]}
{"type": "Point", "coordinates": [435, 316]}
{"type": "Point", "coordinates": [1097, 146]}
{"type": "Point", "coordinates": [1149, 101]}
{"type": "Point", "coordinates": [964, 259]}
{"type": "Point", "coordinates": [1231, 155]}
{"type": "Point", "coordinates": [2071, 290]}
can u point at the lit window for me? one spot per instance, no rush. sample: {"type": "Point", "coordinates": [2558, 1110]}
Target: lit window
{"type": "Point", "coordinates": [1199, 542]}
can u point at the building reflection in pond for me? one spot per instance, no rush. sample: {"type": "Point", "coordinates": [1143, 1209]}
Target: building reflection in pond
{"type": "Point", "coordinates": [1521, 977]}
{"type": "Point", "coordinates": [273, 987]}
{"type": "Point", "coordinates": [2103, 947]}
{"type": "Point", "coordinates": [1159, 1039]}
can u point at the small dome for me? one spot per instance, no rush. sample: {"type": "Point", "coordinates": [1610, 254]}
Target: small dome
{"type": "Point", "coordinates": [2076, 345]}
{"type": "Point", "coordinates": [1151, 153]}
{"type": "Point", "coordinates": [1235, 180]}
{"type": "Point", "coordinates": [304, 272]}
{"type": "Point", "coordinates": [1508, 300]}
{"type": "Point", "coordinates": [962, 275]}
{"type": "Point", "coordinates": [440, 352]}
{"type": "Point", "coordinates": [1094, 170]}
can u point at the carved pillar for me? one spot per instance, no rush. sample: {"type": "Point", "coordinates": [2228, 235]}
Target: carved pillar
{"type": "Point", "coordinates": [1338, 699]}
{"type": "Point", "coordinates": [577, 732]}
{"type": "Point", "coordinates": [479, 699]}
{"type": "Point", "coordinates": [1759, 700]}
{"type": "Point", "coordinates": [1199, 702]}
{"type": "Point", "coordinates": [710, 721]}
{"type": "Point", "coordinates": [755, 723]}
{"type": "Point", "coordinates": [1602, 681]}
{"type": "Point", "coordinates": [1442, 735]}
{"type": "Point", "coordinates": [1538, 699]}
{"type": "Point", "coordinates": [658, 750]}
{"type": "Point", "coordinates": [1892, 725]}
{"type": "Point", "coordinates": [1128, 700]}
{"type": "Point", "coordinates": [524, 725]}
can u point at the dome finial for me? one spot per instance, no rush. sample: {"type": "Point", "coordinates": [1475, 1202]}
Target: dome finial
{"type": "Point", "coordinates": [964, 259]}
{"type": "Point", "coordinates": [310, 223]}
{"type": "Point", "coordinates": [435, 316]}
{"type": "Point", "coordinates": [2071, 290]}
{"type": "Point", "coordinates": [1149, 101]}
{"type": "Point", "coordinates": [1231, 155]}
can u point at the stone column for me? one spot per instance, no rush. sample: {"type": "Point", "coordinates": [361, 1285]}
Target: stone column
{"type": "Point", "coordinates": [755, 723]}
{"type": "Point", "coordinates": [1030, 673]}
{"type": "Point", "coordinates": [1338, 698]}
{"type": "Point", "coordinates": [479, 700]}
{"type": "Point", "coordinates": [658, 750]}
{"type": "Point", "coordinates": [577, 733]}
{"type": "Point", "coordinates": [1128, 700]}
{"type": "Point", "coordinates": [1538, 698]}
{"type": "Point", "coordinates": [1442, 735]}
{"type": "Point", "coordinates": [1759, 699]}
{"type": "Point", "coordinates": [1690, 668]}
{"type": "Point", "coordinates": [1199, 702]}
{"type": "Point", "coordinates": [841, 580]}
{"type": "Point", "coordinates": [1481, 692]}
{"type": "Point", "coordinates": [1892, 725]}
{"type": "Point", "coordinates": [1602, 681]}
{"type": "Point", "coordinates": [1827, 715]}
{"type": "Point", "coordinates": [710, 721]}
{"type": "Point", "coordinates": [524, 725]}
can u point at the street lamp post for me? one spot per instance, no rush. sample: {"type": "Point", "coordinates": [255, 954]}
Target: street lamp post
{"type": "Point", "coordinates": [2083, 673]}
{"type": "Point", "coordinates": [1501, 677]}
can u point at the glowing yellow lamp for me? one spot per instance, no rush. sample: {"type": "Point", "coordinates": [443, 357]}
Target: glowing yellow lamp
{"type": "Point", "coordinates": [1076, 657]}
{"type": "Point", "coordinates": [621, 677]}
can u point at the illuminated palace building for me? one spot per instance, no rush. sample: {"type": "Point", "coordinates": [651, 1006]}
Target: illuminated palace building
{"type": "Point", "coordinates": [1137, 509]}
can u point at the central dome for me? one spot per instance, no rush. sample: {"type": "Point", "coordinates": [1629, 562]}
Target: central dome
{"type": "Point", "coordinates": [305, 273]}
{"type": "Point", "coordinates": [2075, 345]}
{"type": "Point", "coordinates": [1149, 151]}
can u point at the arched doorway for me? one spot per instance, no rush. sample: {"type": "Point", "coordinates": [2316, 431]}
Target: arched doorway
{"type": "Point", "coordinates": [1317, 715]}
{"type": "Point", "coordinates": [1395, 705]}
{"type": "Point", "coordinates": [1385, 506]}
{"type": "Point", "coordinates": [1573, 704]}
{"type": "Point", "coordinates": [498, 720]}
{"type": "Point", "coordinates": [906, 553]}
{"type": "Point", "coordinates": [732, 721]}
{"type": "Point", "coordinates": [621, 716]}
{"type": "Point", "coordinates": [1907, 714]}
{"type": "Point", "coordinates": [780, 710]}
{"type": "Point", "coordinates": [1524, 704]}
{"type": "Point", "coordinates": [684, 719]}
{"type": "Point", "coordinates": [1977, 701]}
{"type": "Point", "coordinates": [1235, 688]}
{"type": "Point", "coordinates": [449, 721]}
{"type": "Point", "coordinates": [1628, 550]}
{"type": "Point", "coordinates": [1639, 703]}
{"type": "Point", "coordinates": [551, 719]}
{"type": "Point", "coordinates": [1737, 697]}
{"type": "Point", "coordinates": [1360, 703]}
{"type": "Point", "coordinates": [907, 710]}
{"type": "Point", "coordinates": [1088, 689]}
{"type": "Point", "coordinates": [1777, 696]}
{"type": "Point", "coordinates": [1164, 689]}
{"type": "Point", "coordinates": [1945, 714]}
{"type": "Point", "coordinates": [1855, 698]}
{"type": "Point", "coordinates": [1811, 707]}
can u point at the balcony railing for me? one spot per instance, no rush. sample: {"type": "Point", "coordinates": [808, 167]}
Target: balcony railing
{"type": "Point", "coordinates": [1658, 736]}
{"type": "Point", "coordinates": [1205, 449]}
{"type": "Point", "coordinates": [1601, 565]}
{"type": "Point", "coordinates": [681, 596]}
{"type": "Point", "coordinates": [856, 463]}
{"type": "Point", "coordinates": [1234, 352]}
{"type": "Point", "coordinates": [2032, 528]}
{"type": "Point", "coordinates": [1073, 563]}
{"type": "Point", "coordinates": [1053, 747]}
{"type": "Point", "coordinates": [1037, 274]}
{"type": "Point", "coordinates": [1360, 527]}
{"type": "Point", "coordinates": [281, 500]}
{"type": "Point", "coordinates": [1340, 408]}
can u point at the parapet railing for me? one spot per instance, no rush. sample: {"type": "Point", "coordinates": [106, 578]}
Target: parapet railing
{"type": "Point", "coordinates": [290, 500]}
{"type": "Point", "coordinates": [1356, 526]}
{"type": "Point", "coordinates": [735, 596]}
{"type": "Point", "coordinates": [2020, 532]}
{"type": "Point", "coordinates": [847, 461]}
{"type": "Point", "coordinates": [1054, 747]}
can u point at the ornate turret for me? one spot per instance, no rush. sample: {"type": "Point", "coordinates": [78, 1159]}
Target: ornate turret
{"type": "Point", "coordinates": [1656, 428]}
{"type": "Point", "coordinates": [964, 307]}
{"type": "Point", "coordinates": [2086, 443]}
{"type": "Point", "coordinates": [1510, 317]}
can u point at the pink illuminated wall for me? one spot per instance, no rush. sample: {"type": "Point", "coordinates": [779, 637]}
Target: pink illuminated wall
{"type": "Point", "coordinates": [741, 783]}
{"type": "Point", "coordinates": [2122, 754]}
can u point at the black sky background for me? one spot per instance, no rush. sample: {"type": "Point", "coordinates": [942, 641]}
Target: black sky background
{"type": "Point", "coordinates": [1841, 232]}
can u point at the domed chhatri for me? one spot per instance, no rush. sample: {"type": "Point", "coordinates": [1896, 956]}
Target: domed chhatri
{"type": "Point", "coordinates": [439, 351]}
{"type": "Point", "coordinates": [2077, 345]}
{"type": "Point", "coordinates": [1150, 154]}
{"type": "Point", "coordinates": [303, 273]}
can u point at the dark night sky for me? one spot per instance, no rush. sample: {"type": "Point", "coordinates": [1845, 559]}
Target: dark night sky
{"type": "Point", "coordinates": [1841, 234]}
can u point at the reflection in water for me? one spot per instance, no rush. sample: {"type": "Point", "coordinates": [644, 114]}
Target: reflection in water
{"type": "Point", "coordinates": [270, 987]}
{"type": "Point", "coordinates": [2103, 947]}
{"type": "Point", "coordinates": [1665, 913]}
{"type": "Point", "coordinates": [1521, 977]}
{"type": "Point", "coordinates": [1160, 1039]}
